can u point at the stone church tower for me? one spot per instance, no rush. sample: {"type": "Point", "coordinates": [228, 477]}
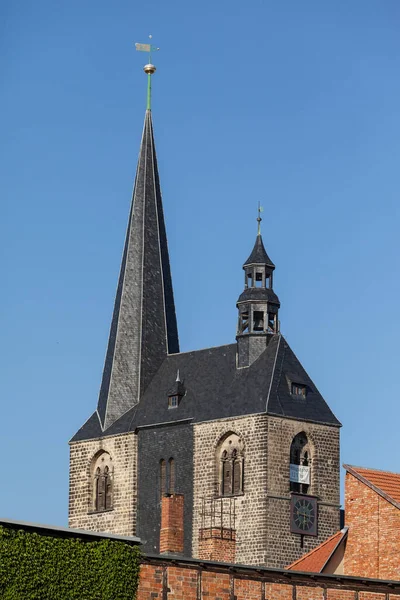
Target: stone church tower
{"type": "Point", "coordinates": [226, 453]}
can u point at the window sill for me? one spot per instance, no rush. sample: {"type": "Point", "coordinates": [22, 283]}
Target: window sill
{"type": "Point", "coordinates": [229, 495]}
{"type": "Point", "coordinates": [100, 512]}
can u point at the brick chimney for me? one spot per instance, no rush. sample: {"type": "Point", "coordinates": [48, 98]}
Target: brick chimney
{"type": "Point", "coordinates": [217, 543]}
{"type": "Point", "coordinates": [171, 532]}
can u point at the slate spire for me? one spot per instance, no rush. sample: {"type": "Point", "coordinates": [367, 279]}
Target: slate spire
{"type": "Point", "coordinates": [259, 255]}
{"type": "Point", "coordinates": [143, 329]}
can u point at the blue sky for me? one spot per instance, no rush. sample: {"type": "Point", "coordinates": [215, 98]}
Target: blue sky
{"type": "Point", "coordinates": [294, 104]}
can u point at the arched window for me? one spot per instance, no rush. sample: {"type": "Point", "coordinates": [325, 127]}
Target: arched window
{"type": "Point", "coordinates": [300, 464]}
{"type": "Point", "coordinates": [171, 486]}
{"type": "Point", "coordinates": [102, 470]}
{"type": "Point", "coordinates": [230, 462]}
{"type": "Point", "coordinates": [163, 477]}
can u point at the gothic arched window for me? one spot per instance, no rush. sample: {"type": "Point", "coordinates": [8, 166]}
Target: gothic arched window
{"type": "Point", "coordinates": [102, 470]}
{"type": "Point", "coordinates": [230, 462]}
{"type": "Point", "coordinates": [300, 464]}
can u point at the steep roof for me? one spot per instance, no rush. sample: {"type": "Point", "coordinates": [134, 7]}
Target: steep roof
{"type": "Point", "coordinates": [315, 560]}
{"type": "Point", "coordinates": [143, 328]}
{"type": "Point", "coordinates": [215, 388]}
{"type": "Point", "coordinates": [259, 255]}
{"type": "Point", "coordinates": [386, 484]}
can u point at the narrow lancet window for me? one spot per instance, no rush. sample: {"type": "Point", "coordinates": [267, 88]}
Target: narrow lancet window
{"type": "Point", "coordinates": [172, 475]}
{"type": "Point", "coordinates": [163, 477]}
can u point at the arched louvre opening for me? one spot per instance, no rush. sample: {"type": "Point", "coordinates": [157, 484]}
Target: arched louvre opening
{"type": "Point", "coordinates": [300, 464]}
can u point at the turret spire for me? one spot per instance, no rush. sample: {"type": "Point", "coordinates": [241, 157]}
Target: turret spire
{"type": "Point", "coordinates": [143, 329]}
{"type": "Point", "coordinates": [258, 305]}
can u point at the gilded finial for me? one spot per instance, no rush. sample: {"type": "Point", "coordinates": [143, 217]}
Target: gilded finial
{"type": "Point", "coordinates": [149, 69]}
{"type": "Point", "coordinates": [259, 219]}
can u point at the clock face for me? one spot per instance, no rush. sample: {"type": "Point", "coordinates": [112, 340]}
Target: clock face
{"type": "Point", "coordinates": [304, 515]}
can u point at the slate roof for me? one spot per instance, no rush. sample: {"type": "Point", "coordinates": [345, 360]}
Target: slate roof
{"type": "Point", "coordinates": [315, 560]}
{"type": "Point", "coordinates": [259, 295]}
{"type": "Point", "coordinates": [384, 483]}
{"type": "Point", "coordinates": [259, 255]}
{"type": "Point", "coordinates": [215, 389]}
{"type": "Point", "coordinates": [143, 328]}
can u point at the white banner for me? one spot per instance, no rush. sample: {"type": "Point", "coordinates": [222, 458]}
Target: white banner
{"type": "Point", "coordinates": [299, 474]}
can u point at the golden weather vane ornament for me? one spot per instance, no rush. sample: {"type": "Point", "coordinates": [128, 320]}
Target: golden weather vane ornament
{"type": "Point", "coordinates": [149, 69]}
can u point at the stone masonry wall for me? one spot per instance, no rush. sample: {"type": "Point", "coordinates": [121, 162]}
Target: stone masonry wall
{"type": "Point", "coordinates": [373, 542]}
{"type": "Point", "coordinates": [250, 507]}
{"type": "Point", "coordinates": [263, 510]}
{"type": "Point", "coordinates": [284, 547]}
{"type": "Point", "coordinates": [122, 518]}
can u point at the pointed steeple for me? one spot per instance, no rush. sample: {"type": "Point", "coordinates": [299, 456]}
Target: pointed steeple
{"type": "Point", "coordinates": [259, 255]}
{"type": "Point", "coordinates": [143, 329]}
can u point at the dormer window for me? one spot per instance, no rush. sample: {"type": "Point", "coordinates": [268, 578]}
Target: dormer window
{"type": "Point", "coordinates": [173, 401]}
{"type": "Point", "coordinates": [176, 392]}
{"type": "Point", "coordinates": [299, 390]}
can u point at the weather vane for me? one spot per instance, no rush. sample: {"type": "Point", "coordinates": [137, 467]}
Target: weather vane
{"type": "Point", "coordinates": [149, 68]}
{"type": "Point", "coordinates": [259, 219]}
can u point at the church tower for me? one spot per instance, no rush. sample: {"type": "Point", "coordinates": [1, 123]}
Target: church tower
{"type": "Point", "coordinates": [225, 453]}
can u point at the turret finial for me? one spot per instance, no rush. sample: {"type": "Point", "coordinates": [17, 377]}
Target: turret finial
{"type": "Point", "coordinates": [259, 219]}
{"type": "Point", "coordinates": [149, 69]}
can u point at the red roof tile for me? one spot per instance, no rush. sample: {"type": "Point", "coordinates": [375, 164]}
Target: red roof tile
{"type": "Point", "coordinates": [314, 561]}
{"type": "Point", "coordinates": [388, 484]}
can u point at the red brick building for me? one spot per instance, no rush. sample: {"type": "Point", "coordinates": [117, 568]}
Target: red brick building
{"type": "Point", "coordinates": [369, 545]}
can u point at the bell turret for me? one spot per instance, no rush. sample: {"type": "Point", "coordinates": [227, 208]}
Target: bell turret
{"type": "Point", "coordinates": [258, 305]}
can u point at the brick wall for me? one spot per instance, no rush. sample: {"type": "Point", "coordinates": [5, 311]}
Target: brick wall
{"type": "Point", "coordinates": [373, 544]}
{"type": "Point", "coordinates": [217, 544]}
{"type": "Point", "coordinates": [122, 518]}
{"type": "Point", "coordinates": [172, 579]}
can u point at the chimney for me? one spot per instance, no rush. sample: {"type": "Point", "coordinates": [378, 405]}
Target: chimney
{"type": "Point", "coordinates": [217, 543]}
{"type": "Point", "coordinates": [171, 532]}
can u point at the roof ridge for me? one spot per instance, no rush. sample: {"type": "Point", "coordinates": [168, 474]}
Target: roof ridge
{"type": "Point", "coordinates": [370, 469]}
{"type": "Point", "coordinates": [201, 349]}
{"type": "Point", "coordinates": [317, 548]}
